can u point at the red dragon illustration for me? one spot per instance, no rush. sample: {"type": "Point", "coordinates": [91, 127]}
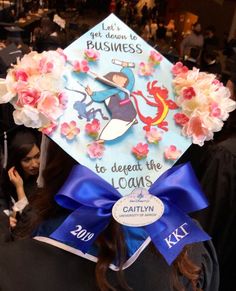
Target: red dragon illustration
{"type": "Point", "coordinates": [161, 102]}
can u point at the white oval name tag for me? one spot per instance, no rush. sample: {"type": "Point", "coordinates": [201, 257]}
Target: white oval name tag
{"type": "Point", "coordinates": [138, 209]}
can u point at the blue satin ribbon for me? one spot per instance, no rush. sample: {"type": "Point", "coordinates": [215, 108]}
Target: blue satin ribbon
{"type": "Point", "coordinates": [90, 198]}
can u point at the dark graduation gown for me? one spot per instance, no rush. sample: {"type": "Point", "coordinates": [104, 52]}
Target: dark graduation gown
{"type": "Point", "coordinates": [36, 266]}
{"type": "Point", "coordinates": [218, 180]}
{"type": "Point", "coordinates": [215, 166]}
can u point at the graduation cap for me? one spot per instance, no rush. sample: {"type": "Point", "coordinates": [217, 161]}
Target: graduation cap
{"type": "Point", "coordinates": [13, 32]}
{"type": "Point", "coordinates": [128, 116]}
{"type": "Point", "coordinates": [120, 91]}
{"type": "Point", "coordinates": [8, 56]}
{"type": "Point", "coordinates": [124, 90]}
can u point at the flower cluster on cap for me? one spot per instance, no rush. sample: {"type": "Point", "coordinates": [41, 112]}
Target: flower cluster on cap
{"type": "Point", "coordinates": [35, 88]}
{"type": "Point", "coordinates": [204, 103]}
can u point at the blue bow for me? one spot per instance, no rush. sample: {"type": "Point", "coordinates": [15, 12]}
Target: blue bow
{"type": "Point", "coordinates": [91, 199]}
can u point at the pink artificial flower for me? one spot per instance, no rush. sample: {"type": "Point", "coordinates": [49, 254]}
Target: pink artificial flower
{"type": "Point", "coordinates": [51, 62]}
{"type": "Point", "coordinates": [188, 93]}
{"type": "Point", "coordinates": [20, 86]}
{"type": "Point", "coordinates": [93, 128]}
{"type": "Point", "coordinates": [30, 117]}
{"type": "Point", "coordinates": [181, 118]}
{"type": "Point", "coordinates": [196, 129]}
{"type": "Point", "coordinates": [61, 52]}
{"type": "Point", "coordinates": [29, 96]}
{"type": "Point", "coordinates": [217, 82]}
{"type": "Point", "coordinates": [45, 66]}
{"type": "Point", "coordinates": [215, 111]}
{"type": "Point", "coordinates": [91, 55]}
{"type": "Point", "coordinates": [145, 69]}
{"type": "Point", "coordinates": [179, 68]}
{"type": "Point", "coordinates": [21, 75]}
{"type": "Point", "coordinates": [140, 150]}
{"type": "Point", "coordinates": [95, 150]}
{"type": "Point", "coordinates": [69, 130]}
{"type": "Point", "coordinates": [28, 63]}
{"type": "Point", "coordinates": [172, 153]}
{"type": "Point", "coordinates": [49, 129]}
{"type": "Point", "coordinates": [155, 58]}
{"type": "Point", "coordinates": [63, 99]}
{"type": "Point", "coordinates": [49, 105]}
{"type": "Point", "coordinates": [153, 135]}
{"type": "Point", "coordinates": [80, 67]}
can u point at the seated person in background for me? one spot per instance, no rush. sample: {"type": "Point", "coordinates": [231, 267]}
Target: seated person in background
{"type": "Point", "coordinates": [14, 48]}
{"type": "Point", "coordinates": [192, 59]}
{"type": "Point", "coordinates": [211, 63]}
{"type": "Point", "coordinates": [7, 14]}
{"type": "Point", "coordinates": [8, 56]}
{"type": "Point", "coordinates": [195, 42]}
{"type": "Point", "coordinates": [14, 37]}
{"type": "Point", "coordinates": [19, 178]}
{"type": "Point", "coordinates": [161, 30]}
{"type": "Point", "coordinates": [146, 31]}
{"type": "Point", "coordinates": [211, 41]}
{"type": "Point", "coordinates": [153, 30]}
{"type": "Point", "coordinates": [170, 31]}
{"type": "Point", "coordinates": [47, 36]}
{"type": "Point", "coordinates": [230, 45]}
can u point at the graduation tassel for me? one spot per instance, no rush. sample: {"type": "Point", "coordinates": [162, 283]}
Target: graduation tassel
{"type": "Point", "coordinates": [43, 158]}
{"type": "Point", "coordinates": [5, 151]}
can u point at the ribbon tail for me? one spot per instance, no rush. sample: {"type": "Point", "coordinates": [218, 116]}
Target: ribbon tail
{"type": "Point", "coordinates": [81, 228]}
{"type": "Point", "coordinates": [174, 231]}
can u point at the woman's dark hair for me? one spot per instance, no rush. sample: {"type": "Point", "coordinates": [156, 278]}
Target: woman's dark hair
{"type": "Point", "coordinates": [20, 145]}
{"type": "Point", "coordinates": [111, 242]}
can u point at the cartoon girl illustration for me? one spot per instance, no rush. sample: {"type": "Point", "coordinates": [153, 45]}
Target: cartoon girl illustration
{"type": "Point", "coordinates": [116, 98]}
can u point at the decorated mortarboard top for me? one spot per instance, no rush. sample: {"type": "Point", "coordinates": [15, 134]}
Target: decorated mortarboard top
{"type": "Point", "coordinates": [13, 32]}
{"type": "Point", "coordinates": [126, 114]}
